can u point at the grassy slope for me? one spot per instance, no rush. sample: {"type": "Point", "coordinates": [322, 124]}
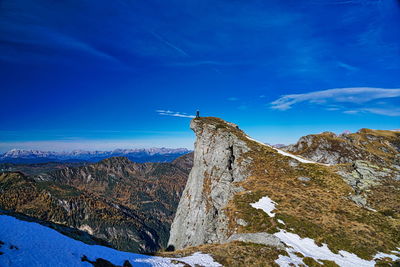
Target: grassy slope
{"type": "Point", "coordinates": [318, 209]}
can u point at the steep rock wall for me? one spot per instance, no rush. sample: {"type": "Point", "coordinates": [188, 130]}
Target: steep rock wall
{"type": "Point", "coordinates": [219, 162]}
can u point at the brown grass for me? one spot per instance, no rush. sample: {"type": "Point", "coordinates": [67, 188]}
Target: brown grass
{"type": "Point", "coordinates": [234, 254]}
{"type": "Point", "coordinates": [318, 209]}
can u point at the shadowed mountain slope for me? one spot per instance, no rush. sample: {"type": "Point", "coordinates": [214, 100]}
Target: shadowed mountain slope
{"type": "Point", "coordinates": [129, 205]}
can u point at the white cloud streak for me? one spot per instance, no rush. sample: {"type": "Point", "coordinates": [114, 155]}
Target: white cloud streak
{"type": "Point", "coordinates": [174, 113]}
{"type": "Point", "coordinates": [208, 63]}
{"type": "Point", "coordinates": [347, 66]}
{"type": "Point", "coordinates": [169, 44]}
{"type": "Point", "coordinates": [352, 95]}
{"type": "Point", "coordinates": [381, 111]}
{"type": "Point", "coordinates": [45, 37]}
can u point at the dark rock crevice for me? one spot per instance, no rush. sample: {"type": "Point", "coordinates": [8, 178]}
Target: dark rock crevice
{"type": "Point", "coordinates": [231, 160]}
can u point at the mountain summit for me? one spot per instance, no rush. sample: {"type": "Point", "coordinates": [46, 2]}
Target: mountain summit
{"type": "Point", "coordinates": [247, 203]}
{"type": "Point", "coordinates": [381, 147]}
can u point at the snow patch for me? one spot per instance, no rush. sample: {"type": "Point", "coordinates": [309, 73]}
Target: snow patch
{"type": "Point", "coordinates": [382, 255]}
{"type": "Point", "coordinates": [197, 259]}
{"type": "Point", "coordinates": [308, 247]}
{"type": "Point", "coordinates": [287, 154]}
{"type": "Point", "coordinates": [294, 157]}
{"type": "Point", "coordinates": [291, 260]}
{"type": "Point", "coordinates": [32, 244]}
{"type": "Point", "coordinates": [266, 204]}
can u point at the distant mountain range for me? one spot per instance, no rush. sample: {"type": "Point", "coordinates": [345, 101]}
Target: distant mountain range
{"type": "Point", "coordinates": [137, 155]}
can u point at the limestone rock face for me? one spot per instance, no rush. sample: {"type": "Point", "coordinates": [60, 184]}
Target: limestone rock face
{"type": "Point", "coordinates": [365, 175]}
{"type": "Point", "coordinates": [257, 238]}
{"type": "Point", "coordinates": [377, 146]}
{"type": "Point", "coordinates": [327, 148]}
{"type": "Point", "coordinates": [219, 161]}
{"type": "Point", "coordinates": [369, 159]}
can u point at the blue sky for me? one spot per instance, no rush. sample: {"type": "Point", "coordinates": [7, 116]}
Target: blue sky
{"type": "Point", "coordinates": [106, 74]}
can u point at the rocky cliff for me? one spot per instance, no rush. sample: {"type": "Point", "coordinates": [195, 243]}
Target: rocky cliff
{"type": "Point", "coordinates": [218, 165]}
{"type": "Point", "coordinates": [250, 204]}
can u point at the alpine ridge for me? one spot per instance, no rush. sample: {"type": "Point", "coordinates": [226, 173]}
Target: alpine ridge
{"type": "Point", "coordinates": [249, 204]}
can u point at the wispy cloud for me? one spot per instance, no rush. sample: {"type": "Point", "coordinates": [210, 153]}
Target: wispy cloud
{"type": "Point", "coordinates": [174, 113]}
{"type": "Point", "coordinates": [394, 112]}
{"type": "Point", "coordinates": [41, 39]}
{"type": "Point", "coordinates": [233, 99]}
{"type": "Point", "coordinates": [209, 63]}
{"type": "Point", "coordinates": [351, 111]}
{"type": "Point", "coordinates": [340, 95]}
{"type": "Point", "coordinates": [171, 45]}
{"type": "Point", "coordinates": [353, 95]}
{"type": "Point", "coordinates": [347, 66]}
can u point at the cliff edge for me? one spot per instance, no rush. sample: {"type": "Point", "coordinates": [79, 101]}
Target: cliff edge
{"type": "Point", "coordinates": [219, 163]}
{"type": "Point", "coordinates": [250, 204]}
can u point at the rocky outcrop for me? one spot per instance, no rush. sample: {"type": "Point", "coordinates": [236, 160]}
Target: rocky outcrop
{"type": "Point", "coordinates": [363, 175]}
{"type": "Point", "coordinates": [257, 238]}
{"type": "Point", "coordinates": [242, 195]}
{"type": "Point", "coordinates": [377, 146]}
{"type": "Point", "coordinates": [368, 159]}
{"type": "Point", "coordinates": [219, 162]}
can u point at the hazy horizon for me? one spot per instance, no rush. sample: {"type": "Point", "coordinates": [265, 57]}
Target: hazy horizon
{"type": "Point", "coordinates": [110, 145]}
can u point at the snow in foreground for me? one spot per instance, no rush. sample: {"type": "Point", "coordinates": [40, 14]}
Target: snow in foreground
{"type": "Point", "coordinates": [286, 153]}
{"type": "Point", "coordinates": [308, 247]}
{"type": "Point", "coordinates": [31, 244]}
